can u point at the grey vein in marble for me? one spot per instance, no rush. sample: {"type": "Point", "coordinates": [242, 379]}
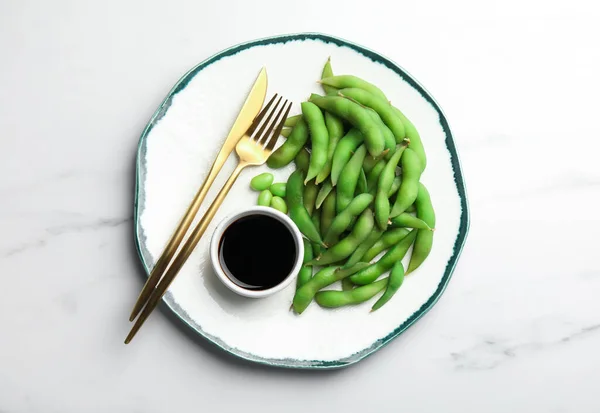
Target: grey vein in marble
{"type": "Point", "coordinates": [490, 353]}
{"type": "Point", "coordinates": [56, 231]}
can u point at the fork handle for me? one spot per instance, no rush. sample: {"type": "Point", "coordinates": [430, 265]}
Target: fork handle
{"type": "Point", "coordinates": [185, 252]}
{"type": "Point", "coordinates": [171, 248]}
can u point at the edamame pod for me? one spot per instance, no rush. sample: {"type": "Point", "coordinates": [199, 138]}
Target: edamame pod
{"type": "Point", "coordinates": [302, 160]}
{"type": "Point", "coordinates": [349, 179]}
{"type": "Point", "coordinates": [328, 212]}
{"type": "Point", "coordinates": [298, 213]}
{"type": "Point", "coordinates": [406, 220]}
{"type": "Point", "coordinates": [395, 186]}
{"type": "Point", "coordinates": [389, 238]}
{"type": "Point", "coordinates": [335, 128]}
{"type": "Point", "coordinates": [373, 176]}
{"type": "Point", "coordinates": [344, 218]}
{"type": "Point", "coordinates": [325, 189]}
{"type": "Point", "coordinates": [357, 116]}
{"type": "Point", "coordinates": [349, 81]}
{"type": "Point", "coordinates": [424, 240]}
{"type": "Point", "coordinates": [416, 144]}
{"type": "Point", "coordinates": [291, 121]}
{"type": "Point", "coordinates": [341, 250]}
{"type": "Point", "coordinates": [388, 136]}
{"type": "Point", "coordinates": [328, 72]}
{"type": "Point", "coordinates": [395, 254]}
{"type": "Point", "coordinates": [291, 147]}
{"type": "Point", "coordinates": [336, 299]}
{"type": "Point", "coordinates": [361, 185]}
{"type": "Point", "coordinates": [409, 188]}
{"type": "Point", "coordinates": [325, 277]}
{"type": "Point", "coordinates": [310, 195]}
{"type": "Point", "coordinates": [343, 152]}
{"type": "Point", "coordinates": [395, 280]}
{"type": "Point", "coordinates": [316, 220]}
{"type": "Point", "coordinates": [319, 137]}
{"type": "Point", "coordinates": [305, 273]}
{"type": "Point", "coordinates": [364, 247]}
{"type": "Point", "coordinates": [379, 105]}
{"type": "Point", "coordinates": [386, 178]}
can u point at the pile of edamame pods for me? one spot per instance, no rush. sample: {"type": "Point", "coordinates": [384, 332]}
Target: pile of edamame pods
{"type": "Point", "coordinates": [355, 193]}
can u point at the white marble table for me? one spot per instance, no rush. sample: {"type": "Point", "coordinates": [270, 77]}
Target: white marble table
{"type": "Point", "coordinates": [517, 330]}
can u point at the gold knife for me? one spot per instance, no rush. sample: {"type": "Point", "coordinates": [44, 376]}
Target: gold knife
{"type": "Point", "coordinates": [250, 109]}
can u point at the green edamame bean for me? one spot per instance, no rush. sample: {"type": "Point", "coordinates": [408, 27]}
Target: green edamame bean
{"type": "Point", "coordinates": [396, 253]}
{"type": "Point", "coordinates": [411, 208]}
{"type": "Point", "coordinates": [335, 128]}
{"type": "Point", "coordinates": [344, 218]}
{"type": "Point", "coordinates": [279, 204]}
{"type": "Point", "coordinates": [386, 178]}
{"type": "Point", "coordinates": [325, 277]}
{"type": "Point", "coordinates": [264, 198]}
{"type": "Point", "coordinates": [319, 138]}
{"type": "Point", "coordinates": [286, 132]}
{"type": "Point", "coordinates": [336, 299]}
{"type": "Point", "coordinates": [291, 147]}
{"type": "Point", "coordinates": [328, 212]}
{"type": "Point", "coordinates": [349, 81]}
{"type": "Point", "coordinates": [361, 185]}
{"type": "Point", "coordinates": [341, 250]}
{"type": "Point", "coordinates": [262, 181]}
{"type": "Point", "coordinates": [413, 135]}
{"type": "Point", "coordinates": [349, 178]}
{"type": "Point", "coordinates": [347, 284]}
{"type": "Point", "coordinates": [302, 160]}
{"type": "Point", "coordinates": [379, 105]}
{"type": "Point", "coordinates": [389, 238]}
{"type": "Point", "coordinates": [409, 188]}
{"type": "Point", "coordinates": [364, 247]}
{"type": "Point", "coordinates": [395, 186]}
{"type": "Point", "coordinates": [325, 189]}
{"type": "Point", "coordinates": [278, 189]}
{"type": "Point", "coordinates": [310, 195]}
{"type": "Point", "coordinates": [373, 176]}
{"type": "Point", "coordinates": [298, 213]}
{"type": "Point", "coordinates": [388, 136]}
{"type": "Point", "coordinates": [424, 240]}
{"type": "Point", "coordinates": [395, 280]}
{"type": "Point", "coordinates": [305, 273]}
{"type": "Point", "coordinates": [405, 220]}
{"type": "Point", "coordinates": [291, 121]}
{"type": "Point", "coordinates": [328, 72]}
{"type": "Point", "coordinates": [357, 116]}
{"type": "Point", "coordinates": [343, 152]}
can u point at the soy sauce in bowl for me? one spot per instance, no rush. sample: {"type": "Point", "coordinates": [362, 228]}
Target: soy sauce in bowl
{"type": "Point", "coordinates": [257, 252]}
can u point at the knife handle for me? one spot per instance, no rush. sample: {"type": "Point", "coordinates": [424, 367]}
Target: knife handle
{"type": "Point", "coordinates": [184, 253]}
{"type": "Point", "coordinates": [177, 237]}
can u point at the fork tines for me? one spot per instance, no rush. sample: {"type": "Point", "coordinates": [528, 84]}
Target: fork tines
{"type": "Point", "coordinates": [272, 125]}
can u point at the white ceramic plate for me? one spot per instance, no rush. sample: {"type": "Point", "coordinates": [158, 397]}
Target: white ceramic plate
{"type": "Point", "coordinates": [177, 148]}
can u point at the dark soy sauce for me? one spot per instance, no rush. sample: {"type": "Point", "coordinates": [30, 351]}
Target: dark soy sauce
{"type": "Point", "coordinates": [257, 252]}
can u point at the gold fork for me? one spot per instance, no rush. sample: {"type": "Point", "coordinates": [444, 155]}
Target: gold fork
{"type": "Point", "coordinates": [252, 149]}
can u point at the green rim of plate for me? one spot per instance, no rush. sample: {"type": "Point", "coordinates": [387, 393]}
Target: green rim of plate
{"type": "Point", "coordinates": [147, 260]}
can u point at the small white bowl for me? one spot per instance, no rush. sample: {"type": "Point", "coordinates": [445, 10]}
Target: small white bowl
{"type": "Point", "coordinates": [258, 210]}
